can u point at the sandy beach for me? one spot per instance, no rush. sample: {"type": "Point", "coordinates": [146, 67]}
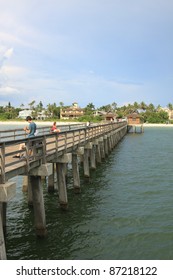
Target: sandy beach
{"type": "Point", "coordinates": [157, 125]}
{"type": "Point", "coordinates": [46, 123]}
{"type": "Point", "coordinates": [62, 123]}
{"type": "Point", "coordinates": [49, 123]}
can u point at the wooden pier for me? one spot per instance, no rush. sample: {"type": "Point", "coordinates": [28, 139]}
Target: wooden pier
{"type": "Point", "coordinates": [135, 128]}
{"type": "Point", "coordinates": [47, 154]}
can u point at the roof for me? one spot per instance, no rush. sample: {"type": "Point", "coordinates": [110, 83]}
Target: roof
{"type": "Point", "coordinates": [133, 115]}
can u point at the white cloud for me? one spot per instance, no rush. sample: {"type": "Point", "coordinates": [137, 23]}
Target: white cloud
{"type": "Point", "coordinates": [8, 53]}
{"type": "Point", "coordinates": [4, 91]}
{"type": "Point", "coordinates": [13, 72]}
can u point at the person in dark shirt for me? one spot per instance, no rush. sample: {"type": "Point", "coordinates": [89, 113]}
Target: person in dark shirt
{"type": "Point", "coordinates": [30, 130]}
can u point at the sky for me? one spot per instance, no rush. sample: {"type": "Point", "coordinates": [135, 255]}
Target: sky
{"type": "Point", "coordinates": [92, 51]}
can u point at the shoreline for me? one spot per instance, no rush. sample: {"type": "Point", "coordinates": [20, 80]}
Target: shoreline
{"type": "Point", "coordinates": [157, 125]}
{"type": "Point", "coordinates": [46, 123]}
{"type": "Point", "coordinates": [49, 123]}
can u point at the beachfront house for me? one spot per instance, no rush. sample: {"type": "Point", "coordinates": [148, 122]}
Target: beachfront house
{"type": "Point", "coordinates": [106, 116]}
{"type": "Point", "coordinates": [71, 112]}
{"type": "Point", "coordinates": [133, 118]}
{"type": "Point", "coordinates": [24, 113]}
{"type": "Point", "coordinates": [34, 114]}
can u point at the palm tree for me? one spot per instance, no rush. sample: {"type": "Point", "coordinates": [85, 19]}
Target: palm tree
{"type": "Point", "coordinates": [114, 106]}
{"type": "Point", "coordinates": [52, 109]}
{"type": "Point", "coordinates": [158, 108]}
{"type": "Point", "coordinates": [170, 106]}
{"type": "Point", "coordinates": [31, 104]}
{"type": "Point", "coordinates": [143, 105]}
{"type": "Point", "coordinates": [22, 106]}
{"type": "Point", "coordinates": [136, 105]}
{"type": "Point", "coordinates": [61, 104]}
{"type": "Point", "coordinates": [151, 107]}
{"type": "Point", "coordinates": [90, 106]}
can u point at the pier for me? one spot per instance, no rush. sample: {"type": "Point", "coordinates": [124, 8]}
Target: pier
{"type": "Point", "coordinates": [47, 155]}
{"type": "Point", "coordinates": [135, 128]}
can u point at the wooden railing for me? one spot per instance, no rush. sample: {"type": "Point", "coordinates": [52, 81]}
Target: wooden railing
{"type": "Point", "coordinates": [19, 133]}
{"type": "Point", "coordinates": [46, 148]}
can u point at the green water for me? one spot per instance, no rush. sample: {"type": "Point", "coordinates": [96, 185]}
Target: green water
{"type": "Point", "coordinates": [124, 212]}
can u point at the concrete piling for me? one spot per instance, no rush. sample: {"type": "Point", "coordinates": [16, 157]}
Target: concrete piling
{"type": "Point", "coordinates": [7, 192]}
{"type": "Point", "coordinates": [38, 206]}
{"type": "Point", "coordinates": [75, 170]}
{"type": "Point", "coordinates": [35, 182]}
{"type": "Point", "coordinates": [62, 190]}
{"type": "Point", "coordinates": [3, 255]}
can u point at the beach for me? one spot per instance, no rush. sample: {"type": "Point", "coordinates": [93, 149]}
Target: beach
{"type": "Point", "coordinates": [157, 124]}
{"type": "Point", "coordinates": [46, 123]}
{"type": "Point", "coordinates": [49, 123]}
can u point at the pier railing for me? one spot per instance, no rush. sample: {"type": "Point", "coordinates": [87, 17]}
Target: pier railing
{"type": "Point", "coordinates": [19, 133]}
{"type": "Point", "coordinates": [46, 148]}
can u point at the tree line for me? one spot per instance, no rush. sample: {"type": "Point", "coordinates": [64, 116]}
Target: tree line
{"type": "Point", "coordinates": [148, 113]}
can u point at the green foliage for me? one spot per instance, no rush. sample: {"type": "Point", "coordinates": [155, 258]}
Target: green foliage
{"type": "Point", "coordinates": [156, 117]}
{"type": "Point", "coordinates": [89, 118]}
{"type": "Point", "coordinates": [89, 109]}
{"type": "Point", "coordinates": [150, 113]}
{"type": "Point", "coordinates": [6, 116]}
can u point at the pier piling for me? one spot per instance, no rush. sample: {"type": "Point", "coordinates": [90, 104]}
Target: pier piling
{"type": "Point", "coordinates": [38, 205]}
{"type": "Point", "coordinates": [75, 170]}
{"type": "Point", "coordinates": [62, 190]}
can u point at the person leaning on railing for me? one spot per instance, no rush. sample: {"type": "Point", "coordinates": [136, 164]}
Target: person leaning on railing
{"type": "Point", "coordinates": [30, 130]}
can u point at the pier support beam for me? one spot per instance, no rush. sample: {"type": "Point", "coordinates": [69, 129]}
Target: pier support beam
{"type": "Point", "coordinates": [4, 216]}
{"type": "Point", "coordinates": [102, 150]}
{"type": "Point", "coordinates": [62, 190]}
{"type": "Point", "coordinates": [26, 187]}
{"type": "Point", "coordinates": [75, 170]}
{"type": "Point", "coordinates": [97, 151]}
{"type": "Point", "coordinates": [61, 170]}
{"type": "Point", "coordinates": [80, 153]}
{"type": "Point", "coordinates": [3, 255]}
{"type": "Point", "coordinates": [93, 158]}
{"type": "Point", "coordinates": [87, 148]}
{"type": "Point", "coordinates": [38, 205]}
{"type": "Point", "coordinates": [86, 163]}
{"type": "Point", "coordinates": [51, 180]}
{"type": "Point", "coordinates": [105, 141]}
{"type": "Point", "coordinates": [7, 192]}
{"type": "Point", "coordinates": [30, 200]}
{"type": "Point", "coordinates": [109, 143]}
{"type": "Point", "coordinates": [35, 178]}
{"type": "Point", "coordinates": [25, 184]}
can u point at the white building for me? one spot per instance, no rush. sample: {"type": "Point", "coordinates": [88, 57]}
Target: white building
{"type": "Point", "coordinates": [39, 115]}
{"type": "Point", "coordinates": [24, 113]}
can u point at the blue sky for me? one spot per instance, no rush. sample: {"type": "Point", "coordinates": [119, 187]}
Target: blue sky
{"type": "Point", "coordinates": [99, 51]}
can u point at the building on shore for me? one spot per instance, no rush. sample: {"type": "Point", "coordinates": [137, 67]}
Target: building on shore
{"type": "Point", "coordinates": [34, 114]}
{"type": "Point", "coordinates": [134, 118]}
{"type": "Point", "coordinates": [106, 116]}
{"type": "Point", "coordinates": [71, 112]}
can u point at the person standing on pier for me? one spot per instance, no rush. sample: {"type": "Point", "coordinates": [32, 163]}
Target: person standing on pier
{"type": "Point", "coordinates": [30, 130]}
